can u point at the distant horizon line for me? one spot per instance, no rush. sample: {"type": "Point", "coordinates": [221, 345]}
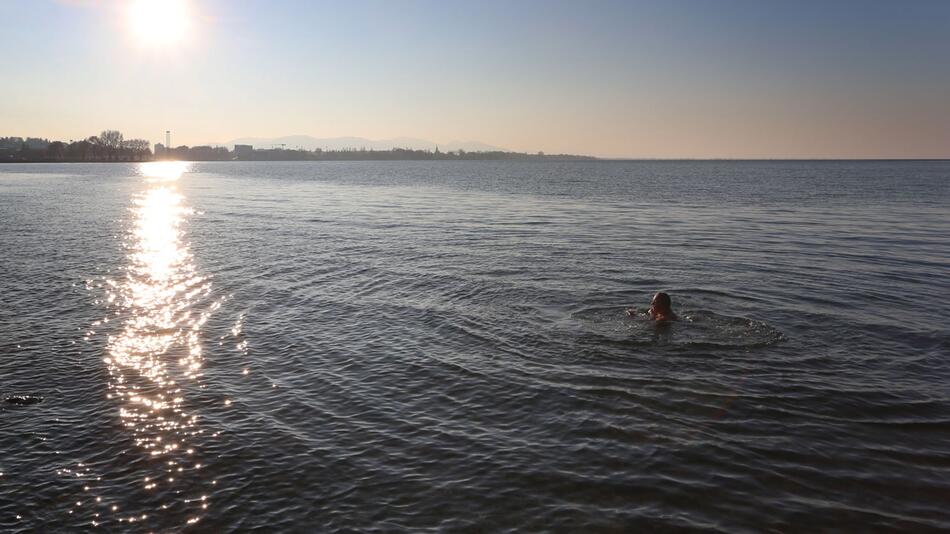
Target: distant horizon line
{"type": "Point", "coordinates": [494, 148]}
{"type": "Point", "coordinates": [585, 159]}
{"type": "Point", "coordinates": [611, 157]}
{"type": "Point", "coordinates": [781, 158]}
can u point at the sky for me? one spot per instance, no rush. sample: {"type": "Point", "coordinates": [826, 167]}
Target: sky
{"type": "Point", "coordinates": [640, 79]}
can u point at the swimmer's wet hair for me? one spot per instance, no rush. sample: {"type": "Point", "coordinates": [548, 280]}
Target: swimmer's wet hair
{"type": "Point", "coordinates": [663, 299]}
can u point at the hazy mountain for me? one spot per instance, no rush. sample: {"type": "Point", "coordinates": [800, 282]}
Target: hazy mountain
{"type": "Point", "coordinates": [470, 146]}
{"type": "Point", "coordinates": [307, 142]}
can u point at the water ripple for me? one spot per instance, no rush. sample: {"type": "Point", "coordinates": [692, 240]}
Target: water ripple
{"type": "Point", "coordinates": [429, 346]}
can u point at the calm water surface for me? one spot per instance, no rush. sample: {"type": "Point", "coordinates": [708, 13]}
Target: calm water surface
{"type": "Point", "coordinates": [443, 346]}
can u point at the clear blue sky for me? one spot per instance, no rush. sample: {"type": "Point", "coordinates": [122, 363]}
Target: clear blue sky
{"type": "Point", "coordinates": [703, 78]}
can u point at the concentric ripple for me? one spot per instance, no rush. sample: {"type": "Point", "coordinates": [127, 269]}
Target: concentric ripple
{"type": "Point", "coordinates": [694, 328]}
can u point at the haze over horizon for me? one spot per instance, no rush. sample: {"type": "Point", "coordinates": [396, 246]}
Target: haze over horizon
{"type": "Point", "coordinates": [691, 79]}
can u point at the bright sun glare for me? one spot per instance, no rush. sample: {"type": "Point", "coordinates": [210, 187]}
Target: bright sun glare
{"type": "Point", "coordinates": [159, 23]}
{"type": "Point", "coordinates": [163, 171]}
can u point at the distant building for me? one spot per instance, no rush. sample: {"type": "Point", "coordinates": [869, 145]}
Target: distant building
{"type": "Point", "coordinates": [12, 144]}
{"type": "Point", "coordinates": [243, 151]}
{"type": "Point", "coordinates": [208, 153]}
{"type": "Point", "coordinates": [159, 150]}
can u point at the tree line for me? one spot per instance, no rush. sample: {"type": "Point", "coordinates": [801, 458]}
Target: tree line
{"type": "Point", "coordinates": [110, 145]}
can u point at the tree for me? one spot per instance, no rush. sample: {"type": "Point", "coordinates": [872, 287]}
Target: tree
{"type": "Point", "coordinates": [56, 151]}
{"type": "Point", "coordinates": [97, 149]}
{"type": "Point", "coordinates": [111, 141]}
{"type": "Point", "coordinates": [136, 149]}
{"type": "Point", "coordinates": [78, 150]}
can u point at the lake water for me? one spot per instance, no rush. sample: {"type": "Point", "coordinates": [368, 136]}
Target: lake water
{"type": "Point", "coordinates": [443, 346]}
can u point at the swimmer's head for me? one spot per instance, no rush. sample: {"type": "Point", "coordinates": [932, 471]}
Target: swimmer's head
{"type": "Point", "coordinates": [661, 308]}
{"type": "Point", "coordinates": [662, 302]}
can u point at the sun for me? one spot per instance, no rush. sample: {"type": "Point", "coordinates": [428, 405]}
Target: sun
{"type": "Point", "coordinates": [159, 23]}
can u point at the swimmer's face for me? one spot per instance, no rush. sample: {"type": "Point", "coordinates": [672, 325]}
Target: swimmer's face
{"type": "Point", "coordinates": [660, 303]}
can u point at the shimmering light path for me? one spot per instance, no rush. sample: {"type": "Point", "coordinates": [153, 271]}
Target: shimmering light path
{"type": "Point", "coordinates": [158, 348]}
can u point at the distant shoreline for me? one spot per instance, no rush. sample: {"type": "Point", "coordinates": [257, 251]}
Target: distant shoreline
{"type": "Point", "coordinates": [553, 158]}
{"type": "Point", "coordinates": [588, 159]}
{"type": "Point", "coordinates": [110, 146]}
{"type": "Point", "coordinates": [205, 154]}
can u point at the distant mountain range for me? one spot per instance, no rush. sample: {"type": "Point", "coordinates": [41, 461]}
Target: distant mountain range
{"type": "Point", "coordinates": [307, 142]}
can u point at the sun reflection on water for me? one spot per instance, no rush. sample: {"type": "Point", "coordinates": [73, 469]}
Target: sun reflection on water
{"type": "Point", "coordinates": [155, 358]}
{"type": "Point", "coordinates": [163, 171]}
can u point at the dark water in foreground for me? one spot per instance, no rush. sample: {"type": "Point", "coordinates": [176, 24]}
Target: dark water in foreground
{"type": "Point", "coordinates": [439, 345]}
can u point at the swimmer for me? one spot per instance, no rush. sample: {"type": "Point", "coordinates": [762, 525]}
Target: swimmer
{"type": "Point", "coordinates": [661, 308]}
